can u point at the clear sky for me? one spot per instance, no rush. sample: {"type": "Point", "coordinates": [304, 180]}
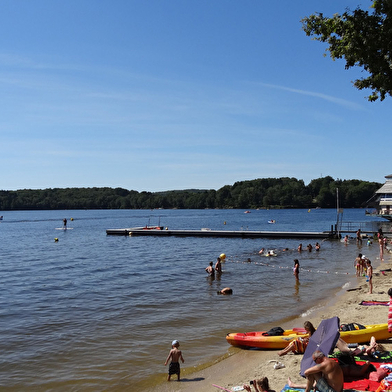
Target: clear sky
{"type": "Point", "coordinates": [154, 95]}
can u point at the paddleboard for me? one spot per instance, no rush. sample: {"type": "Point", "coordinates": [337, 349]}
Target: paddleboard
{"type": "Point", "coordinates": [65, 229]}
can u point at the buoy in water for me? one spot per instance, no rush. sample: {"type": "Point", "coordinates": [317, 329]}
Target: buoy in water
{"type": "Point", "coordinates": [222, 256]}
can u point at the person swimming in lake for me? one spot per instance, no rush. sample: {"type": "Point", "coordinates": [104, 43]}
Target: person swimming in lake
{"type": "Point", "coordinates": [226, 291]}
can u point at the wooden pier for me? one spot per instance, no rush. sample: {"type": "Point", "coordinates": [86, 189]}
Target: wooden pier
{"type": "Point", "coordinates": [222, 233]}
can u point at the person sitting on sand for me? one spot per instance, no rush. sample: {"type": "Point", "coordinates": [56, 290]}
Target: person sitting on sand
{"type": "Point", "coordinates": [299, 345]}
{"type": "Point", "coordinates": [326, 375]}
{"type": "Point", "coordinates": [260, 385]}
{"type": "Point", "coordinates": [226, 291]}
{"type": "Point", "coordinates": [351, 372]}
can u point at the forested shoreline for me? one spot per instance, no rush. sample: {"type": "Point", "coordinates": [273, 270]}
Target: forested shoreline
{"type": "Point", "coordinates": [282, 192]}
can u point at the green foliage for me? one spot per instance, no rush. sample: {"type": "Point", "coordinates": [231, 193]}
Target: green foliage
{"type": "Point", "coordinates": [363, 39]}
{"type": "Point", "coordinates": [282, 192]}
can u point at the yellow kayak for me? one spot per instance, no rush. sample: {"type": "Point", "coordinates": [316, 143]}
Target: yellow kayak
{"type": "Point", "coordinates": [260, 340]}
{"type": "Point", "coordinates": [379, 331]}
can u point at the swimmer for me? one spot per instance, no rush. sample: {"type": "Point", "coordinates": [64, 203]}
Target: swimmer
{"type": "Point", "coordinates": [225, 291]}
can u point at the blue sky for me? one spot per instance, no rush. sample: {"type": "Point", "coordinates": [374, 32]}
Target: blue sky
{"type": "Point", "coordinates": [169, 94]}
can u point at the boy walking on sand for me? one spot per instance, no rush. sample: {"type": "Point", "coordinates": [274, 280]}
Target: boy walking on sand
{"type": "Point", "coordinates": [174, 355]}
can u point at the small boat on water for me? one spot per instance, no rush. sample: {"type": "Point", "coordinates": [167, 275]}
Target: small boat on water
{"type": "Point", "coordinates": [247, 212]}
{"type": "Point", "coordinates": [261, 340]}
{"type": "Point", "coordinates": [153, 227]}
{"type": "Point", "coordinates": [272, 221]}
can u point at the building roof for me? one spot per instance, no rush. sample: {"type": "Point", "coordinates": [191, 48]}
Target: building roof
{"type": "Point", "coordinates": [387, 187]}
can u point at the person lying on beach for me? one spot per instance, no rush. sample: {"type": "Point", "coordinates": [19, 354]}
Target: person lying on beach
{"type": "Point", "coordinates": [260, 385]}
{"type": "Point", "coordinates": [374, 349]}
{"type": "Point", "coordinates": [299, 345]}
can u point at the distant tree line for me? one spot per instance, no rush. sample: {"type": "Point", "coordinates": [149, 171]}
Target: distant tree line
{"type": "Point", "coordinates": [260, 193]}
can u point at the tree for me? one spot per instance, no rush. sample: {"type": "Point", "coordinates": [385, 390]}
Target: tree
{"type": "Point", "coordinates": [363, 39]}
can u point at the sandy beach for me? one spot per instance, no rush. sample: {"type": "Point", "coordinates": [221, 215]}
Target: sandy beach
{"type": "Point", "coordinates": [246, 365]}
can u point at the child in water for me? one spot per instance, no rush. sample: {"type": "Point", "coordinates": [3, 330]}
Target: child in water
{"type": "Point", "coordinates": [174, 355]}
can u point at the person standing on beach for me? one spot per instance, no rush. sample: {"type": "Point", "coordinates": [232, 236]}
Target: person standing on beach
{"type": "Point", "coordinates": [174, 355]}
{"type": "Point", "coordinates": [381, 244]}
{"type": "Point", "coordinates": [369, 272]}
{"type": "Point", "coordinates": [390, 311]}
{"type": "Point", "coordinates": [296, 269]}
{"type": "Point", "coordinates": [358, 264]}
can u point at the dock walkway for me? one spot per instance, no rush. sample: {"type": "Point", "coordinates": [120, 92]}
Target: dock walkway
{"type": "Point", "coordinates": [221, 233]}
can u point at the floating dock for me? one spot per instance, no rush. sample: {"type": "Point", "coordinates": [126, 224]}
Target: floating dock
{"type": "Point", "coordinates": [221, 233]}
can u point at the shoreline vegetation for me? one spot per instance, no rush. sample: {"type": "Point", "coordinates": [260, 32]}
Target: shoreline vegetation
{"type": "Point", "coordinates": [262, 193]}
{"type": "Point", "coordinates": [245, 365]}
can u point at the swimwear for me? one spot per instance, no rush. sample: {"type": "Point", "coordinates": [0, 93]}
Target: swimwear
{"type": "Point", "coordinates": [299, 345]}
{"type": "Point", "coordinates": [174, 368]}
{"type": "Point", "coordinates": [322, 386]}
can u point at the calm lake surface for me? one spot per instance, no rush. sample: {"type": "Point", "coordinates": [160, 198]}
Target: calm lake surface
{"type": "Point", "coordinates": [93, 312]}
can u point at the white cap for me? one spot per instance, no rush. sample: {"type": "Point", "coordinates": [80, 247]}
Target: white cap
{"type": "Point", "coordinates": [175, 342]}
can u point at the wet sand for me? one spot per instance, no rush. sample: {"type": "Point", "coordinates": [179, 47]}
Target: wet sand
{"type": "Point", "coordinates": [246, 365]}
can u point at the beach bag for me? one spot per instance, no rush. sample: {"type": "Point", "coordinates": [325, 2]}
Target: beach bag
{"type": "Point", "coordinates": [276, 331]}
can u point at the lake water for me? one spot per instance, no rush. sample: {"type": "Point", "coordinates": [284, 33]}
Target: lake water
{"type": "Point", "coordinates": [92, 312]}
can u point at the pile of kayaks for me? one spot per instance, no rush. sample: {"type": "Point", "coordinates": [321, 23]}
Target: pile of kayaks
{"type": "Point", "coordinates": [261, 340]}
